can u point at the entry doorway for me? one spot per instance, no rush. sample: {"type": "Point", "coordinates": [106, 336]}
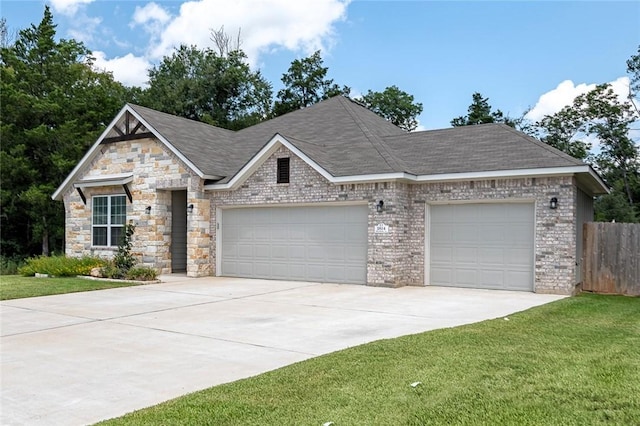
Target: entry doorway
{"type": "Point", "coordinates": [178, 231]}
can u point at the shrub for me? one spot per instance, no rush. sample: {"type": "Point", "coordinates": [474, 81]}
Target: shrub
{"type": "Point", "coordinates": [10, 266]}
{"type": "Point", "coordinates": [123, 259]}
{"type": "Point", "coordinates": [110, 270]}
{"type": "Point", "coordinates": [141, 273]}
{"type": "Point", "coordinates": [60, 266]}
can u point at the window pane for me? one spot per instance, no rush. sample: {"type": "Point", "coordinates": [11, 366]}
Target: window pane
{"type": "Point", "coordinates": [116, 235]}
{"type": "Point", "coordinates": [118, 210]}
{"type": "Point", "coordinates": [100, 210]}
{"type": "Point", "coordinates": [99, 236]}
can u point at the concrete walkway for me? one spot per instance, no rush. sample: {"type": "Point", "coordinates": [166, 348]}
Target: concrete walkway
{"type": "Point", "coordinates": [79, 358]}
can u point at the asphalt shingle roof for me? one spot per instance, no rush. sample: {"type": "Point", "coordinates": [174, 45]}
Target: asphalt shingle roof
{"type": "Point", "coordinates": [347, 139]}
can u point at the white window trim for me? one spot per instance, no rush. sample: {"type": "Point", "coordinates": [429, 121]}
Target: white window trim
{"type": "Point", "coordinates": [108, 225]}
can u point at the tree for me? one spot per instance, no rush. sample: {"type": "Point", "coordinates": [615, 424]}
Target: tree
{"type": "Point", "coordinates": [600, 115]}
{"type": "Point", "coordinates": [54, 105]}
{"type": "Point", "coordinates": [306, 84]}
{"type": "Point", "coordinates": [564, 131]}
{"type": "Point", "coordinates": [479, 112]}
{"type": "Point", "coordinates": [633, 69]}
{"type": "Point", "coordinates": [202, 85]}
{"type": "Point", "coordinates": [395, 105]}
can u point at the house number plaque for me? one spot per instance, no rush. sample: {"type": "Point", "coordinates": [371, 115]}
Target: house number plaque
{"type": "Point", "coordinates": [381, 228]}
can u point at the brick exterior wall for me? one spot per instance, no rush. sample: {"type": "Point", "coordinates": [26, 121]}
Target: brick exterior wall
{"type": "Point", "coordinates": [395, 259]}
{"type": "Point", "coordinates": [398, 257]}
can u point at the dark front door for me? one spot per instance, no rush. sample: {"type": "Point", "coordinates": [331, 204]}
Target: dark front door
{"type": "Point", "coordinates": [179, 231]}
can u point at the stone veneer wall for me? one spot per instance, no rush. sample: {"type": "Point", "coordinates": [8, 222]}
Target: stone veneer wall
{"type": "Point", "coordinates": [156, 172]}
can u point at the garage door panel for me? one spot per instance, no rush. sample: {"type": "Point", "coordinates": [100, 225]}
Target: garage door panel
{"type": "Point", "coordinates": [441, 234]}
{"type": "Point", "coordinates": [465, 255]}
{"type": "Point", "coordinates": [483, 245]}
{"type": "Point", "coordinates": [491, 233]}
{"type": "Point", "coordinates": [466, 277]}
{"type": "Point", "coordinates": [491, 256]}
{"type": "Point", "coordinates": [301, 243]}
{"type": "Point", "coordinates": [463, 232]}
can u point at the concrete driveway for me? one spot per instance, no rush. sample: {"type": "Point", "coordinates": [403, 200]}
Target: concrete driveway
{"type": "Point", "coordinates": [79, 358]}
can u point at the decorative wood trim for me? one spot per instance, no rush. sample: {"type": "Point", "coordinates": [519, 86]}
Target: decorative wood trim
{"type": "Point", "coordinates": [84, 199]}
{"type": "Point", "coordinates": [128, 192]}
{"type": "Point", "coordinates": [130, 137]}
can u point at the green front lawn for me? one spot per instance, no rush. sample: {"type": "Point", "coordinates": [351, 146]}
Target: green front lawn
{"type": "Point", "coordinates": [572, 362]}
{"type": "Point", "coordinates": [16, 286]}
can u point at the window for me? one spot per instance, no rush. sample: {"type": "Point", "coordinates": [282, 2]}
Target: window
{"type": "Point", "coordinates": [109, 217]}
{"type": "Point", "coordinates": [283, 170]}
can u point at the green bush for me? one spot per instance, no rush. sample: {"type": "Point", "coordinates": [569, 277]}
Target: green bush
{"type": "Point", "coordinates": [141, 273]}
{"type": "Point", "coordinates": [60, 266]}
{"type": "Point", "coordinates": [9, 266]}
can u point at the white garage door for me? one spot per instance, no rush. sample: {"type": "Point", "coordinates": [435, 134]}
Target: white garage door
{"type": "Point", "coordinates": [482, 246]}
{"type": "Point", "coordinates": [322, 244]}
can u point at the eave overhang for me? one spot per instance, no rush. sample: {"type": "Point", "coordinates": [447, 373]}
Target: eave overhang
{"type": "Point", "coordinates": [585, 175]}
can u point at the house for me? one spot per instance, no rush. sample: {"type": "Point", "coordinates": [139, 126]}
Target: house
{"type": "Point", "coordinates": [334, 193]}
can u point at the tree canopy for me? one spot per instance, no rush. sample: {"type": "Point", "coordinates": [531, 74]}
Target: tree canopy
{"type": "Point", "coordinates": [395, 105]}
{"type": "Point", "coordinates": [600, 116]}
{"type": "Point", "coordinates": [200, 84]}
{"type": "Point", "coordinates": [54, 105]}
{"type": "Point", "coordinates": [306, 84]}
{"type": "Point", "coordinates": [480, 112]}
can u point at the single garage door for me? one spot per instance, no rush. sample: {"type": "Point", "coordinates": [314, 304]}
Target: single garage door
{"type": "Point", "coordinates": [482, 246]}
{"type": "Point", "coordinates": [321, 244]}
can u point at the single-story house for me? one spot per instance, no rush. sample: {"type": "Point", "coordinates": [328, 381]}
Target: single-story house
{"type": "Point", "coordinates": [334, 193]}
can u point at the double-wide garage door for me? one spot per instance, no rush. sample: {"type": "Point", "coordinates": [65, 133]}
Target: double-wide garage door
{"type": "Point", "coordinates": [482, 246]}
{"type": "Point", "coordinates": [321, 244]}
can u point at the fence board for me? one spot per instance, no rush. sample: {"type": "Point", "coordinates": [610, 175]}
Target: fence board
{"type": "Point", "coordinates": [611, 258]}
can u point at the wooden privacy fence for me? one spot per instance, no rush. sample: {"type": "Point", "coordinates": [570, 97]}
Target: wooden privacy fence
{"type": "Point", "coordinates": [611, 259]}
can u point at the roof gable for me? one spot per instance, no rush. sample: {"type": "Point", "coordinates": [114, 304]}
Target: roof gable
{"type": "Point", "coordinates": [342, 139]}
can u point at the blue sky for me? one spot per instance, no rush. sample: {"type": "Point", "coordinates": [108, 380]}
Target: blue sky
{"type": "Point", "coordinates": [518, 54]}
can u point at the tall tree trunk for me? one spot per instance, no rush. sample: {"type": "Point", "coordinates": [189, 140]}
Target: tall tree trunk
{"type": "Point", "coordinates": [45, 238]}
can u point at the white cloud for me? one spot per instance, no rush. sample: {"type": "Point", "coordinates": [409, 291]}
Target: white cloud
{"type": "Point", "coordinates": [151, 13]}
{"type": "Point", "coordinates": [84, 27]}
{"type": "Point", "coordinates": [68, 7]}
{"type": "Point", "coordinates": [129, 70]}
{"type": "Point", "coordinates": [264, 25]}
{"type": "Point", "coordinates": [564, 94]}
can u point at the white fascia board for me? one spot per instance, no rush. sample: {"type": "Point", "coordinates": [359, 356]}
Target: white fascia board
{"type": "Point", "coordinates": [502, 174]}
{"type": "Point", "coordinates": [105, 180]}
{"type": "Point", "coordinates": [272, 146]}
{"type": "Point", "coordinates": [595, 176]}
{"type": "Point", "coordinates": [92, 152]}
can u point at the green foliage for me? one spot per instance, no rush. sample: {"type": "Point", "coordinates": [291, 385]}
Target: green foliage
{"type": "Point", "coordinates": [54, 105]}
{"type": "Point", "coordinates": [60, 266]}
{"type": "Point", "coordinates": [395, 105]}
{"type": "Point", "coordinates": [306, 84]}
{"type": "Point", "coordinates": [124, 260]}
{"type": "Point", "coordinates": [201, 85]}
{"type": "Point", "coordinates": [479, 112]}
{"type": "Point", "coordinates": [633, 68]}
{"type": "Point", "coordinates": [141, 273]}
{"type": "Point", "coordinates": [9, 266]}
{"type": "Point", "coordinates": [600, 114]}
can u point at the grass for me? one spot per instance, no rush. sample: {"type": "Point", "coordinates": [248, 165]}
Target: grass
{"type": "Point", "coordinates": [572, 362]}
{"type": "Point", "coordinates": [16, 287]}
